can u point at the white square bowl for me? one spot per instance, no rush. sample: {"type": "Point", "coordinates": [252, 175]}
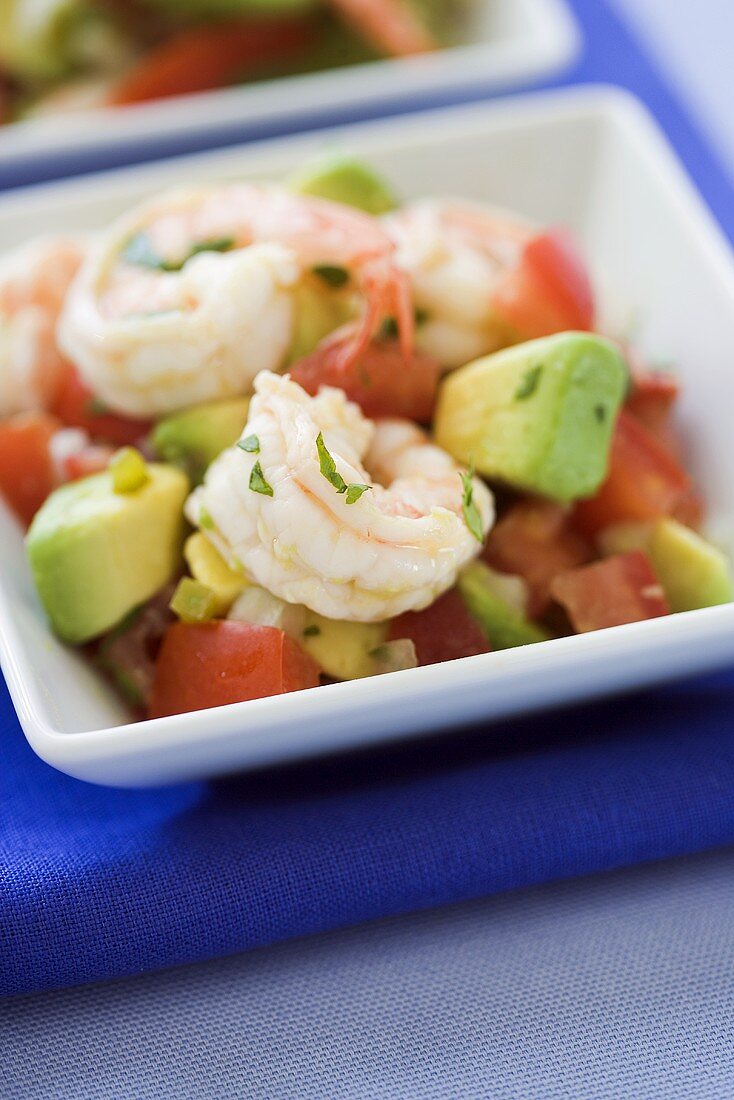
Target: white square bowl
{"type": "Point", "coordinates": [507, 43]}
{"type": "Point", "coordinates": [588, 158]}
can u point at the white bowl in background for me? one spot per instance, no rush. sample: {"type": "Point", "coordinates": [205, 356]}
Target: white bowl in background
{"type": "Point", "coordinates": [509, 43]}
{"type": "Point", "coordinates": [589, 158]}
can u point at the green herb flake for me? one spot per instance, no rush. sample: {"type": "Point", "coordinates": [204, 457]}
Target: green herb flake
{"type": "Point", "coordinates": [312, 631]}
{"type": "Point", "coordinates": [389, 328]}
{"type": "Point", "coordinates": [206, 521]}
{"type": "Point", "coordinates": [251, 444]}
{"type": "Point", "coordinates": [364, 377]}
{"type": "Point", "coordinates": [258, 484]}
{"type": "Point", "coordinates": [380, 653]}
{"type": "Point", "coordinates": [354, 492]}
{"type": "Point", "coordinates": [328, 466]}
{"type": "Point", "coordinates": [529, 382]}
{"type": "Point", "coordinates": [472, 516]}
{"type": "Point", "coordinates": [95, 406]}
{"type": "Point", "coordinates": [140, 252]}
{"type": "Point", "coordinates": [600, 412]}
{"type": "Point", "coordinates": [333, 276]}
{"type": "Point", "coordinates": [421, 316]}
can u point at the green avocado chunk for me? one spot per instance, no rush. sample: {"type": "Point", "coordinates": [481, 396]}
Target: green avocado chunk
{"type": "Point", "coordinates": [344, 179]}
{"type": "Point", "coordinates": [504, 625]}
{"type": "Point", "coordinates": [96, 554]}
{"type": "Point", "coordinates": [693, 573]}
{"type": "Point", "coordinates": [192, 439]}
{"type": "Point", "coordinates": [538, 416]}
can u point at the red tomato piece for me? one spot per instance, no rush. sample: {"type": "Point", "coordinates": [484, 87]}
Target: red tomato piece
{"type": "Point", "coordinates": [381, 382]}
{"type": "Point", "coordinates": [77, 407]}
{"type": "Point", "coordinates": [644, 482]}
{"type": "Point", "coordinates": [617, 590]}
{"type": "Point", "coordinates": [27, 473]}
{"type": "Point", "coordinates": [444, 631]}
{"type": "Point", "coordinates": [535, 541]}
{"type": "Point", "coordinates": [91, 460]}
{"type": "Point", "coordinates": [549, 290]}
{"type": "Point", "coordinates": [202, 665]}
{"type": "Point", "coordinates": [203, 57]}
{"type": "Point", "coordinates": [651, 402]}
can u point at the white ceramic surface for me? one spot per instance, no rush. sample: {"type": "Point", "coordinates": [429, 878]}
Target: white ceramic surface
{"type": "Point", "coordinates": [588, 158]}
{"type": "Point", "coordinates": [509, 42]}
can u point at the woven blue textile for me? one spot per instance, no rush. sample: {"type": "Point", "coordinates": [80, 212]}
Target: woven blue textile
{"type": "Point", "coordinates": [97, 883]}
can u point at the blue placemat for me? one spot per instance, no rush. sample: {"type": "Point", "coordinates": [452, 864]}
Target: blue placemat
{"type": "Point", "coordinates": [97, 883]}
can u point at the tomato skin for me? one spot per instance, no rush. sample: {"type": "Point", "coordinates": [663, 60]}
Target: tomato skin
{"type": "Point", "coordinates": [27, 474]}
{"type": "Point", "coordinates": [74, 406]}
{"type": "Point", "coordinates": [534, 540]}
{"type": "Point", "coordinates": [444, 631]}
{"type": "Point", "coordinates": [644, 482]}
{"type": "Point", "coordinates": [381, 382]}
{"type": "Point", "coordinates": [620, 589]}
{"type": "Point", "coordinates": [202, 665]}
{"type": "Point", "coordinates": [651, 401]}
{"type": "Point", "coordinates": [92, 460]}
{"type": "Point", "coordinates": [203, 57]}
{"type": "Point", "coordinates": [549, 290]}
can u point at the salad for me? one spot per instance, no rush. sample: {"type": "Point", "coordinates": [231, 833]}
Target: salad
{"type": "Point", "coordinates": [271, 435]}
{"type": "Point", "coordinates": [63, 55]}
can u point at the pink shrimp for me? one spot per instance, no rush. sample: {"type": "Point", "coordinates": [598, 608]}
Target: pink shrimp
{"type": "Point", "coordinates": [204, 298]}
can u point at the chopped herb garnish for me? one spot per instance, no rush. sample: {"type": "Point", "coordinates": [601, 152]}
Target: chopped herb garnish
{"type": "Point", "coordinates": [364, 377]}
{"type": "Point", "coordinates": [139, 251]}
{"type": "Point", "coordinates": [354, 492]}
{"type": "Point", "coordinates": [380, 652]}
{"type": "Point", "coordinates": [258, 484]}
{"type": "Point", "coordinates": [205, 520]}
{"type": "Point", "coordinates": [96, 407]}
{"type": "Point", "coordinates": [312, 631]}
{"type": "Point", "coordinates": [472, 516]}
{"type": "Point", "coordinates": [421, 316]}
{"type": "Point", "coordinates": [251, 444]}
{"type": "Point", "coordinates": [328, 466]}
{"type": "Point", "coordinates": [600, 412]}
{"type": "Point", "coordinates": [332, 275]}
{"type": "Point", "coordinates": [529, 382]}
{"type": "Point", "coordinates": [389, 328]}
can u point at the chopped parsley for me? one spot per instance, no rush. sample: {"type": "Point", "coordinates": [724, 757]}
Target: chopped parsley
{"type": "Point", "coordinates": [472, 518]}
{"type": "Point", "coordinates": [332, 275]}
{"type": "Point", "coordinates": [332, 475]}
{"type": "Point", "coordinates": [354, 492]}
{"type": "Point", "coordinates": [529, 382]}
{"type": "Point", "coordinates": [251, 444]}
{"type": "Point", "coordinates": [206, 521]}
{"type": "Point", "coordinates": [600, 412]}
{"type": "Point", "coordinates": [140, 252]}
{"type": "Point", "coordinates": [95, 406]}
{"type": "Point", "coordinates": [380, 652]}
{"type": "Point", "coordinates": [312, 631]}
{"type": "Point", "coordinates": [258, 484]}
{"type": "Point", "coordinates": [389, 328]}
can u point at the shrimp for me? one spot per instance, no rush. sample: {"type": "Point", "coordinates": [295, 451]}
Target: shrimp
{"type": "Point", "coordinates": [456, 254]}
{"type": "Point", "coordinates": [34, 280]}
{"type": "Point", "coordinates": [393, 541]}
{"type": "Point", "coordinates": [186, 299]}
{"type": "Point", "coordinates": [391, 26]}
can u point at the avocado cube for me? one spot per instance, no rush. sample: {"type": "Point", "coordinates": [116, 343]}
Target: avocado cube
{"type": "Point", "coordinates": [693, 573]}
{"type": "Point", "coordinates": [344, 179]}
{"type": "Point", "coordinates": [192, 439]}
{"type": "Point", "coordinates": [209, 568]}
{"type": "Point", "coordinates": [317, 311]}
{"type": "Point", "coordinates": [538, 416]}
{"type": "Point", "coordinates": [96, 554]}
{"type": "Point", "coordinates": [505, 626]}
{"type": "Point", "coordinates": [344, 650]}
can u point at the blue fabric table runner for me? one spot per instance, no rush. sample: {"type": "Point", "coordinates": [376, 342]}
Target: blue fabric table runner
{"type": "Point", "coordinates": [97, 883]}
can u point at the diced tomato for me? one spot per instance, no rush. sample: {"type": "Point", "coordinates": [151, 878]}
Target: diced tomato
{"type": "Point", "coordinates": [90, 460]}
{"type": "Point", "coordinates": [204, 665]}
{"type": "Point", "coordinates": [203, 57]}
{"type": "Point", "coordinates": [381, 382]}
{"type": "Point", "coordinates": [444, 631]}
{"type": "Point", "coordinates": [535, 541]}
{"type": "Point", "coordinates": [690, 509]}
{"type": "Point", "coordinates": [549, 290]}
{"type": "Point", "coordinates": [26, 468]}
{"type": "Point", "coordinates": [651, 401]}
{"type": "Point", "coordinates": [617, 590]}
{"type": "Point", "coordinates": [644, 482]}
{"type": "Point", "coordinates": [77, 407]}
